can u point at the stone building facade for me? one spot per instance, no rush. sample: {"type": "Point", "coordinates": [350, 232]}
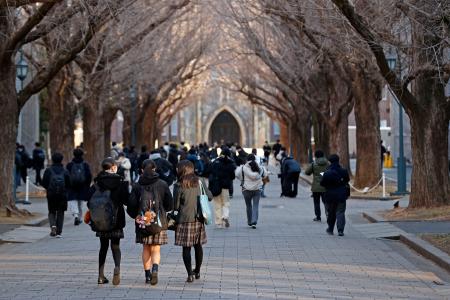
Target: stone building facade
{"type": "Point", "coordinates": [222, 116]}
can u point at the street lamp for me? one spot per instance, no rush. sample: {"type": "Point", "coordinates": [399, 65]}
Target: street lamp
{"type": "Point", "coordinates": [401, 165]}
{"type": "Point", "coordinates": [21, 74]}
{"type": "Point", "coordinates": [133, 114]}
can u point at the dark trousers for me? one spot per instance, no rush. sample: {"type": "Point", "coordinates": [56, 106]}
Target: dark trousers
{"type": "Point", "coordinates": [24, 173]}
{"type": "Point", "coordinates": [231, 190]}
{"type": "Point", "coordinates": [38, 176]}
{"type": "Point", "coordinates": [290, 184]}
{"type": "Point", "coordinates": [316, 198]}
{"type": "Point", "coordinates": [336, 215]}
{"type": "Point", "coordinates": [56, 218]}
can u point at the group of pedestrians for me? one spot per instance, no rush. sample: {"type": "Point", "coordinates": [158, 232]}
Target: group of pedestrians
{"type": "Point", "coordinates": [155, 209]}
{"type": "Point", "coordinates": [24, 161]}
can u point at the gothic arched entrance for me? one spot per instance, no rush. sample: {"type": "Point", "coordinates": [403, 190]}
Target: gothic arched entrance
{"type": "Point", "coordinates": [225, 129]}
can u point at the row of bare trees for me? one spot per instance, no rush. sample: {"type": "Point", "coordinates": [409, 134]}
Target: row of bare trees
{"type": "Point", "coordinates": [312, 62]}
{"type": "Point", "coordinates": [85, 55]}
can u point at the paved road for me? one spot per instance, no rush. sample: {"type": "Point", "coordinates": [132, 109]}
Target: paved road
{"type": "Point", "coordinates": [287, 257]}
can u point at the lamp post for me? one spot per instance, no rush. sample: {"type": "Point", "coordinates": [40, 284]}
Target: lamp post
{"type": "Point", "coordinates": [21, 74]}
{"type": "Point", "coordinates": [133, 114]}
{"type": "Point", "coordinates": [401, 165]}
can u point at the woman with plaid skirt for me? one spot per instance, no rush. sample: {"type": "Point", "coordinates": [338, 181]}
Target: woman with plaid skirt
{"type": "Point", "coordinates": [190, 231]}
{"type": "Point", "coordinates": [153, 194]}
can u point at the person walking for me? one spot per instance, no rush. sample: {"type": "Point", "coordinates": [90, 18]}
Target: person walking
{"type": "Point", "coordinates": [56, 181]}
{"type": "Point", "coordinates": [267, 149]}
{"type": "Point", "coordinates": [154, 200]}
{"type": "Point", "coordinates": [251, 175]}
{"type": "Point", "coordinates": [133, 157]}
{"type": "Point", "coordinates": [38, 157]}
{"type": "Point", "coordinates": [290, 170]}
{"type": "Point", "coordinates": [80, 181]}
{"type": "Point", "coordinates": [26, 162]}
{"type": "Point", "coordinates": [335, 180]}
{"type": "Point", "coordinates": [115, 150]}
{"type": "Point", "coordinates": [317, 168]}
{"type": "Point", "coordinates": [163, 167]}
{"type": "Point", "coordinates": [190, 230]}
{"type": "Point", "coordinates": [142, 156]}
{"type": "Point", "coordinates": [106, 199]}
{"type": "Point", "coordinates": [220, 183]}
{"type": "Point", "coordinates": [124, 167]}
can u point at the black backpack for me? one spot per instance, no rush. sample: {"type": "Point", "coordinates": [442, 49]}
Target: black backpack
{"type": "Point", "coordinates": [155, 227]}
{"type": "Point", "coordinates": [57, 184]}
{"type": "Point", "coordinates": [103, 211]}
{"type": "Point", "coordinates": [77, 174]}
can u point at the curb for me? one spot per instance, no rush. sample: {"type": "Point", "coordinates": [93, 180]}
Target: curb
{"type": "Point", "coordinates": [422, 247]}
{"type": "Point", "coordinates": [38, 222]}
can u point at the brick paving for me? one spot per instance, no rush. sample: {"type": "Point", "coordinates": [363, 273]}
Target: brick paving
{"type": "Point", "coordinates": [287, 257]}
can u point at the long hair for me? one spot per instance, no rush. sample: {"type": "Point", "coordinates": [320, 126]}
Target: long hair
{"type": "Point", "coordinates": [252, 163]}
{"type": "Point", "coordinates": [186, 175]}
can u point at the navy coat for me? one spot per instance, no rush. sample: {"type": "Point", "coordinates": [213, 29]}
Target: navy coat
{"type": "Point", "coordinates": [80, 192]}
{"type": "Point", "coordinates": [335, 180]}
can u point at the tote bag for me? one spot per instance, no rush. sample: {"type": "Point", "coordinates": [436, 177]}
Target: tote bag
{"type": "Point", "coordinates": [204, 205]}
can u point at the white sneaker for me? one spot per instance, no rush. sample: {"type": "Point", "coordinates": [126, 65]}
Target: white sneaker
{"type": "Point", "coordinates": [58, 236]}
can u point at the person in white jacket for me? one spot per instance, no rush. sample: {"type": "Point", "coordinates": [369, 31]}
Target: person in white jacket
{"type": "Point", "coordinates": [124, 165]}
{"type": "Point", "coordinates": [251, 175]}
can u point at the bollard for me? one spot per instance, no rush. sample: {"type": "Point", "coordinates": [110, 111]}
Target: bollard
{"type": "Point", "coordinates": [384, 185]}
{"type": "Point", "coordinates": [27, 191]}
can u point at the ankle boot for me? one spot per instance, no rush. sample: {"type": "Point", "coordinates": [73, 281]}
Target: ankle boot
{"type": "Point", "coordinates": [148, 276]}
{"type": "Point", "coordinates": [116, 277]}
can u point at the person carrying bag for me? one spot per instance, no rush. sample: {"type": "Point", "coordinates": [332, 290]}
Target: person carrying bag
{"type": "Point", "coordinates": [191, 203]}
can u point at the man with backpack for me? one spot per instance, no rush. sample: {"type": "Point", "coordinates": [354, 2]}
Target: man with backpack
{"type": "Point", "coordinates": [335, 180]}
{"type": "Point", "coordinates": [163, 167]}
{"type": "Point", "coordinates": [56, 181]}
{"type": "Point", "coordinates": [317, 168]}
{"type": "Point", "coordinates": [38, 162]}
{"type": "Point", "coordinates": [290, 172]}
{"type": "Point", "coordinates": [80, 179]}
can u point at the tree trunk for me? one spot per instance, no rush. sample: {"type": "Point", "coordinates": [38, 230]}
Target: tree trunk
{"type": "Point", "coordinates": [301, 140]}
{"type": "Point", "coordinates": [9, 111]}
{"type": "Point", "coordinates": [93, 134]}
{"type": "Point", "coordinates": [321, 136]}
{"type": "Point", "coordinates": [368, 138]}
{"type": "Point", "coordinates": [61, 112]}
{"type": "Point", "coordinates": [108, 117]}
{"type": "Point", "coordinates": [429, 140]}
{"type": "Point", "coordinates": [126, 132]}
{"type": "Point", "coordinates": [338, 140]}
{"type": "Point", "coordinates": [150, 126]}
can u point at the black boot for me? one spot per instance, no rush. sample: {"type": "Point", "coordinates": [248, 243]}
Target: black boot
{"type": "Point", "coordinates": [148, 276]}
{"type": "Point", "coordinates": [154, 279]}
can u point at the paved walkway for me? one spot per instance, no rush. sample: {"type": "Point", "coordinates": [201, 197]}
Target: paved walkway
{"type": "Point", "coordinates": [287, 257]}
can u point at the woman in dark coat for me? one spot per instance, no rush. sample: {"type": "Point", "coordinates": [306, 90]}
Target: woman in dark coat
{"type": "Point", "coordinates": [190, 231]}
{"type": "Point", "coordinates": [108, 180]}
{"type": "Point", "coordinates": [162, 202]}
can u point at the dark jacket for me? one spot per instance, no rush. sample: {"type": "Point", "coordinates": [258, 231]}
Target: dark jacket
{"type": "Point", "coordinates": [173, 157]}
{"type": "Point", "coordinates": [165, 170]}
{"type": "Point", "coordinates": [289, 166]}
{"type": "Point", "coordinates": [317, 169]}
{"type": "Point", "coordinates": [186, 202]}
{"type": "Point", "coordinates": [80, 192]}
{"type": "Point", "coordinates": [335, 180]}
{"type": "Point", "coordinates": [38, 158]}
{"type": "Point", "coordinates": [54, 202]}
{"type": "Point", "coordinates": [163, 198]}
{"type": "Point", "coordinates": [119, 193]}
{"type": "Point", "coordinates": [143, 156]}
{"type": "Point", "coordinates": [222, 170]}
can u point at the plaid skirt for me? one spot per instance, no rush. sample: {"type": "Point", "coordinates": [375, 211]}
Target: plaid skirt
{"type": "Point", "coordinates": [190, 234]}
{"type": "Point", "coordinates": [157, 239]}
{"type": "Point", "coordinates": [115, 234]}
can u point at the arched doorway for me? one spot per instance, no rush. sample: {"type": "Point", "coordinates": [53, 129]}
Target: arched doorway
{"type": "Point", "coordinates": [225, 129]}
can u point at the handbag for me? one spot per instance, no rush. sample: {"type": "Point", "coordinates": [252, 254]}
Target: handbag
{"type": "Point", "coordinates": [149, 228]}
{"type": "Point", "coordinates": [203, 202]}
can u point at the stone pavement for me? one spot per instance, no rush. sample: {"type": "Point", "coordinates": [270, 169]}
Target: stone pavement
{"type": "Point", "coordinates": [287, 257]}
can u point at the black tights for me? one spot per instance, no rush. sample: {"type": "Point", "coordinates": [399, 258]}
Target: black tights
{"type": "Point", "coordinates": [198, 258]}
{"type": "Point", "coordinates": [115, 248]}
